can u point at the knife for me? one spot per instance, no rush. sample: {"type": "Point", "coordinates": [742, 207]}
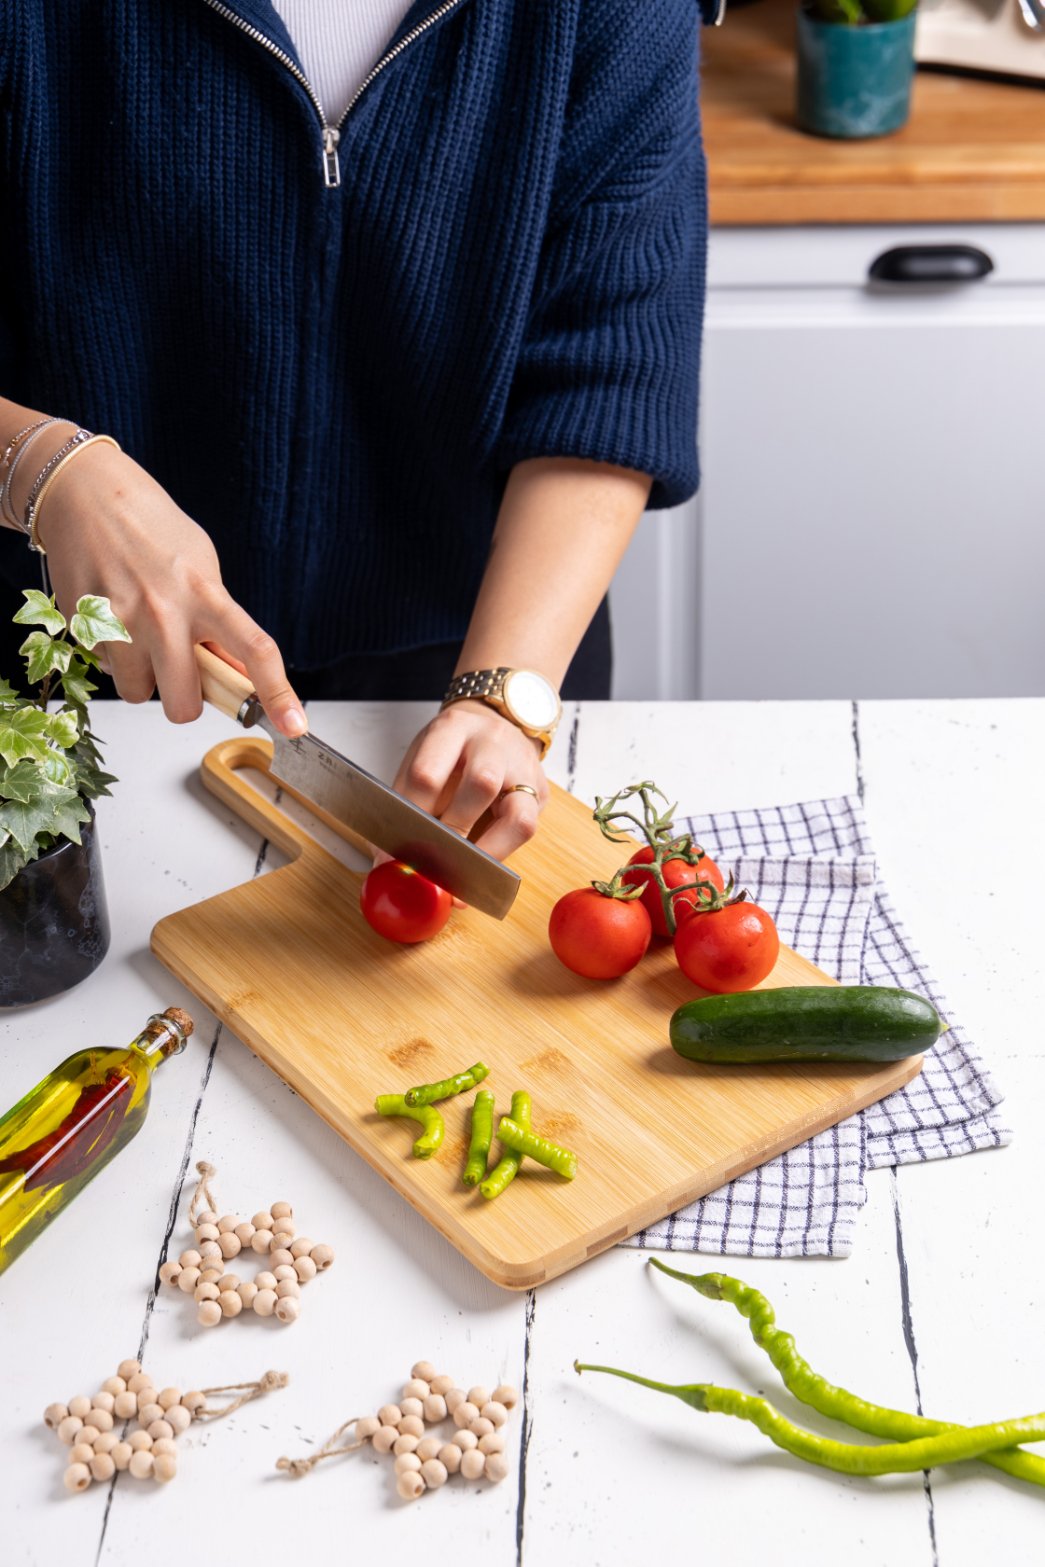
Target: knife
{"type": "Point", "coordinates": [359, 806]}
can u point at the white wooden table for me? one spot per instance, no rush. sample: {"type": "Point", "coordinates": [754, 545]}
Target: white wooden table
{"type": "Point", "coordinates": [942, 1300]}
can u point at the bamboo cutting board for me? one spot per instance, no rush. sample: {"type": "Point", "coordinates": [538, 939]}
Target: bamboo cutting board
{"type": "Point", "coordinates": [288, 963]}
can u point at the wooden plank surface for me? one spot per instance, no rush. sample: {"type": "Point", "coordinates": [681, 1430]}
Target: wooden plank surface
{"type": "Point", "coordinates": [973, 150]}
{"type": "Point", "coordinates": [352, 1016]}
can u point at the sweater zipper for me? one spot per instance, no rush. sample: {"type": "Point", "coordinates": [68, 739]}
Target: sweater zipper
{"type": "Point", "coordinates": [331, 134]}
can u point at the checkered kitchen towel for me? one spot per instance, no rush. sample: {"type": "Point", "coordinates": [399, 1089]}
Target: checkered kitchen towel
{"type": "Point", "coordinates": [812, 866]}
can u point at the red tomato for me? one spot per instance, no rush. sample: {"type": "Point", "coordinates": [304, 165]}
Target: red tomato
{"type": "Point", "coordinates": [400, 903]}
{"type": "Point", "coordinates": [598, 936]}
{"type": "Point", "coordinates": [677, 873]}
{"type": "Point", "coordinates": [733, 948]}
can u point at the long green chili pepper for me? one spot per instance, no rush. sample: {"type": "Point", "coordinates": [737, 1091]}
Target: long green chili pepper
{"type": "Point", "coordinates": [447, 1087]}
{"type": "Point", "coordinates": [927, 1452]}
{"type": "Point", "coordinates": [430, 1119]}
{"type": "Point", "coordinates": [507, 1167]}
{"type": "Point", "coordinates": [800, 1378]}
{"type": "Point", "coordinates": [481, 1138]}
{"type": "Point", "coordinates": [521, 1140]}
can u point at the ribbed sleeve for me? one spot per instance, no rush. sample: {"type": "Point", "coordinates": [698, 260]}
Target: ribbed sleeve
{"type": "Point", "coordinates": [609, 365]}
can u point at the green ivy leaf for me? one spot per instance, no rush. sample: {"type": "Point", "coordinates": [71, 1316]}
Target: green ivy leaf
{"type": "Point", "coordinates": [24, 732]}
{"type": "Point", "coordinates": [20, 782]}
{"type": "Point", "coordinates": [68, 817]}
{"type": "Point", "coordinates": [7, 692]}
{"type": "Point", "coordinates": [95, 622]}
{"type": "Point", "coordinates": [44, 654]}
{"type": "Point", "coordinates": [64, 728]}
{"type": "Point", "coordinates": [57, 768]}
{"type": "Point", "coordinates": [39, 610]}
{"type": "Point", "coordinates": [12, 859]}
{"type": "Point", "coordinates": [75, 682]}
{"type": "Point", "coordinates": [92, 780]}
{"type": "Point", "coordinates": [24, 819]}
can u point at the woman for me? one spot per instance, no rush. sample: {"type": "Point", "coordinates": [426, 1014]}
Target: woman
{"type": "Point", "coordinates": [409, 369]}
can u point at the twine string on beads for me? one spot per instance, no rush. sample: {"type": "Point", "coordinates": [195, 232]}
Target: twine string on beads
{"type": "Point", "coordinates": [247, 1390]}
{"type": "Point", "coordinates": [206, 1173]}
{"type": "Point", "coordinates": [299, 1467]}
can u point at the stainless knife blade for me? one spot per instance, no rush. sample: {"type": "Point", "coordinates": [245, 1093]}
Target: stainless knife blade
{"type": "Point", "coordinates": [360, 803]}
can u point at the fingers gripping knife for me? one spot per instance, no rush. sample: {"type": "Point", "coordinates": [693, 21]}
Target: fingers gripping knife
{"type": "Point", "coordinates": [366, 808]}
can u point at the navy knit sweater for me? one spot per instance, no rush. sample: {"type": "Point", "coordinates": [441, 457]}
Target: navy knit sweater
{"type": "Point", "coordinates": [335, 380]}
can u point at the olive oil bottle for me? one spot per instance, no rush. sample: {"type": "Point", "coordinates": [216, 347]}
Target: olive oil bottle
{"type": "Point", "coordinates": [69, 1126]}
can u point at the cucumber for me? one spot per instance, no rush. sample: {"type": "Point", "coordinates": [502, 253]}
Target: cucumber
{"type": "Point", "coordinates": [805, 1023]}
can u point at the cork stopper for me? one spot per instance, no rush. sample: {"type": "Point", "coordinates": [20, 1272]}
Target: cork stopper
{"type": "Point", "coordinates": [166, 1032]}
{"type": "Point", "coordinates": [180, 1019]}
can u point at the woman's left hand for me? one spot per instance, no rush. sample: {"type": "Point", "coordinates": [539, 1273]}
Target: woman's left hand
{"type": "Point", "coordinates": [469, 762]}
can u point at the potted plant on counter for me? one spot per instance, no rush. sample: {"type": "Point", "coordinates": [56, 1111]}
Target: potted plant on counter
{"type": "Point", "coordinates": [54, 924]}
{"type": "Point", "coordinates": [855, 66]}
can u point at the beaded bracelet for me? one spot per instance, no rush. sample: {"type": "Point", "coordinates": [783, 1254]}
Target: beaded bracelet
{"type": "Point", "coordinates": [13, 453]}
{"type": "Point", "coordinates": [47, 475]}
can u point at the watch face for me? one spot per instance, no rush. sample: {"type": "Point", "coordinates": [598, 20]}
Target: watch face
{"type": "Point", "coordinates": [531, 700]}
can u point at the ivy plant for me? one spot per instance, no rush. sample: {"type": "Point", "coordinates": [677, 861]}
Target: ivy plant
{"type": "Point", "coordinates": [50, 764]}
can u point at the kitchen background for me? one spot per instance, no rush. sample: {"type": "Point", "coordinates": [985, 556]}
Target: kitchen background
{"type": "Point", "coordinates": [870, 522]}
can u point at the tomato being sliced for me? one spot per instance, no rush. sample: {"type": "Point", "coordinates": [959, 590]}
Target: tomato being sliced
{"type": "Point", "coordinates": [728, 949]}
{"type": "Point", "coordinates": [677, 873]}
{"type": "Point", "coordinates": [401, 904]}
{"type": "Point", "coordinates": [596, 935]}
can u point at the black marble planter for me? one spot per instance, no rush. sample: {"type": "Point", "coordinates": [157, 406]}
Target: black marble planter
{"type": "Point", "coordinates": [54, 923]}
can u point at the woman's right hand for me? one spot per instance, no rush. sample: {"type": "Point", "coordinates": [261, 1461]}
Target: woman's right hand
{"type": "Point", "coordinates": [108, 528]}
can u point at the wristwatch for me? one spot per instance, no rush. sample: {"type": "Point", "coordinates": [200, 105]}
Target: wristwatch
{"type": "Point", "coordinates": [522, 696]}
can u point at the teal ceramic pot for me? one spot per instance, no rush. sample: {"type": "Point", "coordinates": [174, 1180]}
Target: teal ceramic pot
{"type": "Point", "coordinates": [854, 81]}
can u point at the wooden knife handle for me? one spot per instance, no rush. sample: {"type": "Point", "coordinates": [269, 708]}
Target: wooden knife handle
{"type": "Point", "coordinates": [225, 688]}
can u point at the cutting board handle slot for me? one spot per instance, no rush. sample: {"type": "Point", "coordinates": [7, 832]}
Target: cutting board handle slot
{"type": "Point", "coordinates": [220, 770]}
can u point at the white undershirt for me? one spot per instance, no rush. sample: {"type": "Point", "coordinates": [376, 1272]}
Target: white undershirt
{"type": "Point", "coordinates": [339, 42]}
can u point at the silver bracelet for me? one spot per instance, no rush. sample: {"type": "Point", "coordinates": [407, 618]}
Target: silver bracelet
{"type": "Point", "coordinates": [29, 517]}
{"type": "Point", "coordinates": [13, 456]}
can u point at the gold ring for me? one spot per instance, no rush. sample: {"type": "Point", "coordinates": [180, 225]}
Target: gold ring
{"type": "Point", "coordinates": [520, 789]}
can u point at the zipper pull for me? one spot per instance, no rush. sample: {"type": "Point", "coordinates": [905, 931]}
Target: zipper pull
{"type": "Point", "coordinates": [331, 167]}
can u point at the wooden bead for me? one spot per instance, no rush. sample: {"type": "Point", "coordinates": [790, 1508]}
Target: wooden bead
{"type": "Point", "coordinates": [492, 1442]}
{"type": "Point", "coordinates": [281, 1258]}
{"type": "Point", "coordinates": [495, 1412]}
{"type": "Point", "coordinates": [466, 1440]}
{"type": "Point", "coordinates": [78, 1477]}
{"type": "Point", "coordinates": [261, 1242]}
{"type": "Point", "coordinates": [205, 1292]}
{"type": "Point", "coordinates": [141, 1464]}
{"type": "Point", "coordinates": [285, 1228]}
{"type": "Point", "coordinates": [190, 1259]}
{"type": "Point", "coordinates": [128, 1369]}
{"type": "Point", "coordinates": [410, 1485]}
{"type": "Point", "coordinates": [161, 1428]}
{"type": "Point", "coordinates": [454, 1396]}
{"type": "Point", "coordinates": [193, 1401]}
{"type": "Point", "coordinates": [480, 1428]}
{"type": "Point", "coordinates": [88, 1433]}
{"type": "Point", "coordinates": [301, 1246]}
{"type": "Point", "coordinates": [213, 1275]}
{"type": "Point", "coordinates": [265, 1302]}
{"type": "Point", "coordinates": [178, 1417]}
{"type": "Point", "coordinates": [281, 1210]}
{"type": "Point", "coordinates": [166, 1444]}
{"type": "Point", "coordinates": [105, 1442]}
{"type": "Point", "coordinates": [102, 1466]}
{"type": "Point", "coordinates": [416, 1389]}
{"type": "Point", "coordinates": [407, 1461]}
{"type": "Point", "coordinates": [230, 1303]}
{"type": "Point", "coordinates": [126, 1405]}
{"type": "Point", "coordinates": [323, 1256]}
{"type": "Point", "coordinates": [412, 1406]}
{"type": "Point", "coordinates": [230, 1245]}
{"type": "Point", "coordinates": [305, 1268]}
{"type": "Point", "coordinates": [145, 1396]}
{"type": "Point", "coordinates": [428, 1447]}
{"type": "Point", "coordinates": [473, 1463]}
{"type": "Point", "coordinates": [188, 1279]}
{"type": "Point", "coordinates": [505, 1395]}
{"type": "Point", "coordinates": [435, 1408]}
{"type": "Point", "coordinates": [206, 1232]}
{"type": "Point", "coordinates": [140, 1441]}
{"type": "Point", "coordinates": [284, 1271]}
{"type": "Point", "coordinates": [390, 1414]}
{"type": "Point", "coordinates": [147, 1413]}
{"type": "Point", "coordinates": [114, 1385]}
{"type": "Point", "coordinates": [247, 1292]}
{"type": "Point", "coordinates": [288, 1289]}
{"type": "Point", "coordinates": [68, 1430]}
{"type": "Point", "coordinates": [121, 1454]}
{"type": "Point", "coordinates": [244, 1233]}
{"type": "Point", "coordinates": [211, 1254]}
{"type": "Point", "coordinates": [228, 1222]}
{"type": "Point", "coordinates": [209, 1314]}
{"type": "Point", "coordinates": [422, 1369]}
{"type": "Point", "coordinates": [412, 1425]}
{"type": "Point", "coordinates": [168, 1275]}
{"type": "Point", "coordinates": [265, 1280]}
{"type": "Point", "coordinates": [287, 1309]}
{"type": "Point", "coordinates": [54, 1414]}
{"type": "Point", "coordinates": [81, 1453]}
{"type": "Point", "coordinates": [478, 1396]}
{"type": "Point", "coordinates": [465, 1413]}
{"type": "Point", "coordinates": [450, 1455]}
{"type": "Point", "coordinates": [80, 1406]}
{"type": "Point", "coordinates": [207, 1216]}
{"type": "Point", "coordinates": [101, 1419]}
{"type": "Point", "coordinates": [497, 1466]}
{"type": "Point", "coordinates": [434, 1473]}
{"type": "Point", "coordinates": [229, 1281]}
{"type": "Point", "coordinates": [169, 1397]}
{"type": "Point", "coordinates": [404, 1443]}
{"type": "Point", "coordinates": [367, 1427]}
{"type": "Point", "coordinates": [441, 1384]}
{"type": "Point", "coordinates": [165, 1467]}
{"type": "Point", "coordinates": [103, 1400]}
{"type": "Point", "coordinates": [384, 1439]}
{"type": "Point", "coordinates": [262, 1220]}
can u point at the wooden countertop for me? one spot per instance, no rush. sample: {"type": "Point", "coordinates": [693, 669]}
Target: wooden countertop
{"type": "Point", "coordinates": [973, 150]}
